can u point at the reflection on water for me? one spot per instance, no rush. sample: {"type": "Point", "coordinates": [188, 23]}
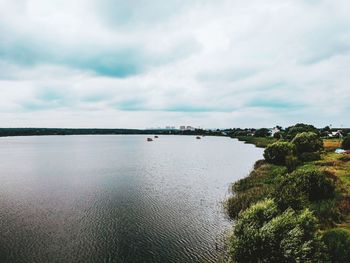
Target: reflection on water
{"type": "Point", "coordinates": [116, 198]}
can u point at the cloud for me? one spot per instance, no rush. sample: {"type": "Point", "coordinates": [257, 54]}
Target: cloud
{"type": "Point", "coordinates": [139, 63]}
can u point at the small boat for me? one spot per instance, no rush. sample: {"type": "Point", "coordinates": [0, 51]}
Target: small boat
{"type": "Point", "coordinates": [149, 139]}
{"type": "Point", "coordinates": [198, 138]}
{"type": "Point", "coordinates": [155, 136]}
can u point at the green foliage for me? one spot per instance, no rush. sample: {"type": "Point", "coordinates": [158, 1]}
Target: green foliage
{"type": "Point", "coordinates": [308, 157]}
{"type": "Point", "coordinates": [327, 212]}
{"type": "Point", "coordinates": [261, 142]}
{"type": "Point", "coordinates": [278, 135]}
{"type": "Point", "coordinates": [291, 162]}
{"type": "Point", "coordinates": [263, 132]}
{"type": "Point", "coordinates": [240, 202]}
{"type": "Point", "coordinates": [307, 142]}
{"type": "Point", "coordinates": [261, 234]}
{"type": "Point", "coordinates": [256, 187]}
{"type": "Point", "coordinates": [237, 133]}
{"type": "Point", "coordinates": [346, 143]}
{"type": "Point", "coordinates": [277, 152]}
{"type": "Point", "coordinates": [303, 186]}
{"type": "Point", "coordinates": [299, 128]}
{"type": "Point", "coordinates": [263, 174]}
{"type": "Point", "coordinates": [337, 243]}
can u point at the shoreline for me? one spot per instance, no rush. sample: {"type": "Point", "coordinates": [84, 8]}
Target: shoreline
{"type": "Point", "coordinates": [264, 181]}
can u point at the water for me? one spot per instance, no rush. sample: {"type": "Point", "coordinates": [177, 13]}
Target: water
{"type": "Point", "coordinates": [116, 198]}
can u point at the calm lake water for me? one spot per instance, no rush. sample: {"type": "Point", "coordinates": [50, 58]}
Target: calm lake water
{"type": "Point", "coordinates": [117, 198]}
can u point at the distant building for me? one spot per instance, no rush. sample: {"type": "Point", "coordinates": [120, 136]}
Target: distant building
{"type": "Point", "coordinates": [187, 128]}
{"type": "Point", "coordinates": [190, 128]}
{"type": "Point", "coordinates": [338, 134]}
{"type": "Point", "coordinates": [274, 131]}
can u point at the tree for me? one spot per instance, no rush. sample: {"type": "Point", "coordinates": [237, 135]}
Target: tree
{"type": "Point", "coordinates": [307, 142]}
{"type": "Point", "coordinates": [263, 132]}
{"type": "Point", "coordinates": [261, 234]}
{"type": "Point", "coordinates": [337, 242]}
{"type": "Point", "coordinates": [346, 143]}
{"type": "Point", "coordinates": [303, 186]}
{"type": "Point", "coordinates": [277, 152]}
{"type": "Point", "coordinates": [292, 131]}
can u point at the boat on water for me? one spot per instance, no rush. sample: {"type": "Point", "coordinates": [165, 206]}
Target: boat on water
{"type": "Point", "coordinates": [198, 137]}
{"type": "Point", "coordinates": [149, 139]}
{"type": "Point", "coordinates": [156, 136]}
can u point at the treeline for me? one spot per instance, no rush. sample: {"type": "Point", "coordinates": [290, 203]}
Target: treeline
{"type": "Point", "coordinates": [66, 131]}
{"type": "Point", "coordinates": [287, 133]}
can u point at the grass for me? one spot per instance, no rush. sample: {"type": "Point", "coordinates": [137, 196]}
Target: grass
{"type": "Point", "coordinates": [253, 188]}
{"type": "Point", "coordinates": [345, 225]}
{"type": "Point", "coordinates": [337, 164]}
{"type": "Point", "coordinates": [260, 142]}
{"type": "Point", "coordinates": [331, 144]}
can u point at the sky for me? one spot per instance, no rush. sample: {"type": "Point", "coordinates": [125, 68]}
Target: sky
{"type": "Point", "coordinates": [205, 63]}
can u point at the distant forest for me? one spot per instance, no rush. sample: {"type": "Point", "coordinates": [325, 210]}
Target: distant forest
{"type": "Point", "coordinates": [67, 131]}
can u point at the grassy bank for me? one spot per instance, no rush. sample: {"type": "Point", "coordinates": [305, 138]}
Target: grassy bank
{"type": "Point", "coordinates": [260, 142]}
{"type": "Point", "coordinates": [329, 203]}
{"type": "Point", "coordinates": [263, 180]}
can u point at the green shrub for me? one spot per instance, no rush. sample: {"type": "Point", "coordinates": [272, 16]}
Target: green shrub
{"type": "Point", "coordinates": [240, 202]}
{"type": "Point", "coordinates": [307, 142]}
{"type": "Point", "coordinates": [343, 206]}
{"type": "Point", "coordinates": [278, 135]}
{"type": "Point", "coordinates": [310, 156]}
{"type": "Point", "coordinates": [299, 128]}
{"type": "Point", "coordinates": [291, 162]}
{"type": "Point", "coordinates": [346, 143]}
{"type": "Point", "coordinates": [303, 186]}
{"type": "Point", "coordinates": [261, 234]}
{"type": "Point", "coordinates": [344, 158]}
{"type": "Point", "coordinates": [263, 132]}
{"type": "Point", "coordinates": [337, 243]}
{"type": "Point", "coordinates": [277, 152]}
{"type": "Point", "coordinates": [327, 212]}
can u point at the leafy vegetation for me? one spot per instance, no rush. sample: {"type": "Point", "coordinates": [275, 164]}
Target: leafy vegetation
{"type": "Point", "coordinates": [309, 184]}
{"type": "Point", "coordinates": [292, 131]}
{"type": "Point", "coordinates": [346, 143]}
{"type": "Point", "coordinates": [303, 186]}
{"type": "Point", "coordinates": [260, 142]}
{"type": "Point", "coordinates": [277, 152]}
{"type": "Point", "coordinates": [263, 132]}
{"type": "Point", "coordinates": [262, 234]}
{"type": "Point", "coordinates": [337, 242]}
{"type": "Point", "coordinates": [307, 142]}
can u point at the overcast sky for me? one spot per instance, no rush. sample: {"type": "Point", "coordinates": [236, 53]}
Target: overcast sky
{"type": "Point", "coordinates": [148, 63]}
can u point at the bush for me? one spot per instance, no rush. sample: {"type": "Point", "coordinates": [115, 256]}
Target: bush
{"type": "Point", "coordinates": [277, 152]}
{"type": "Point", "coordinates": [308, 157]}
{"type": "Point", "coordinates": [240, 202]}
{"type": "Point", "coordinates": [261, 234]}
{"type": "Point", "coordinates": [291, 162]}
{"type": "Point", "coordinates": [299, 128]}
{"type": "Point", "coordinates": [303, 186]}
{"type": "Point", "coordinates": [327, 212]}
{"type": "Point", "coordinates": [337, 243]}
{"type": "Point", "coordinates": [278, 135]}
{"type": "Point", "coordinates": [344, 206]}
{"type": "Point", "coordinates": [307, 142]}
{"type": "Point", "coordinates": [346, 143]}
{"type": "Point", "coordinates": [263, 132]}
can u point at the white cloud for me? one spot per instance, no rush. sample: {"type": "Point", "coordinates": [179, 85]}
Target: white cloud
{"type": "Point", "coordinates": [140, 64]}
